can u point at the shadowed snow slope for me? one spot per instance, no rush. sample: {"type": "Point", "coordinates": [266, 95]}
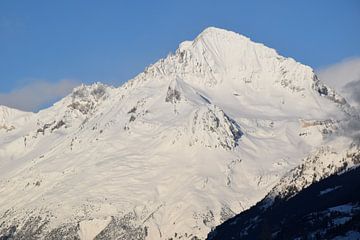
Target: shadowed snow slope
{"type": "Point", "coordinates": [196, 138]}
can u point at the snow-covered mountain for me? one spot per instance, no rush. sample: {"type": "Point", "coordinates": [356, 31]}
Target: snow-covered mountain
{"type": "Point", "coordinates": [196, 138]}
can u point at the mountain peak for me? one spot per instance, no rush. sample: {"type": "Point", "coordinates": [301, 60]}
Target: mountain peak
{"type": "Point", "coordinates": [214, 34]}
{"type": "Point", "coordinates": [217, 57]}
{"type": "Point", "coordinates": [214, 31]}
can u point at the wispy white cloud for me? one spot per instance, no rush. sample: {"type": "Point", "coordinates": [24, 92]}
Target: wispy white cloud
{"type": "Point", "coordinates": [344, 77]}
{"type": "Point", "coordinates": [38, 94]}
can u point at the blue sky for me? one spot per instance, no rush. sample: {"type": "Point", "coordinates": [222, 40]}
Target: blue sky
{"type": "Point", "coordinates": [112, 41]}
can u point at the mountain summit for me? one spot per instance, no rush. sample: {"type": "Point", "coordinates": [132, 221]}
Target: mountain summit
{"type": "Point", "coordinates": [198, 137]}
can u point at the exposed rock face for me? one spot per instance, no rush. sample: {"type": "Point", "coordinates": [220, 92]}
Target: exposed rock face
{"type": "Point", "coordinates": [86, 98]}
{"type": "Point", "coordinates": [213, 128]}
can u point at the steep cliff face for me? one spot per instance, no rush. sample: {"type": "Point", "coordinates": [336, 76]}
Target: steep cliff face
{"type": "Point", "coordinates": [198, 137]}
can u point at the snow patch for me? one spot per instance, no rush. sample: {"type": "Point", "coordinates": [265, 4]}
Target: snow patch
{"type": "Point", "coordinates": [89, 229]}
{"type": "Point", "coordinates": [328, 190]}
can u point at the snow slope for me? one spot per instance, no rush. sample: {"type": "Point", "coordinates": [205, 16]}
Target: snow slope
{"type": "Point", "coordinates": [196, 138]}
{"type": "Point", "coordinates": [330, 209]}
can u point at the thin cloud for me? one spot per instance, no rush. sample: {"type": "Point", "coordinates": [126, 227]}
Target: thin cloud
{"type": "Point", "coordinates": [345, 78]}
{"type": "Point", "coordinates": [353, 90]}
{"type": "Point", "coordinates": [38, 94]}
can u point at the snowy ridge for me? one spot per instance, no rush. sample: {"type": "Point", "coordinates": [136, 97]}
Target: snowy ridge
{"type": "Point", "coordinates": [334, 158]}
{"type": "Point", "coordinates": [330, 209]}
{"type": "Point", "coordinates": [196, 138]}
{"type": "Point", "coordinates": [10, 118]}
